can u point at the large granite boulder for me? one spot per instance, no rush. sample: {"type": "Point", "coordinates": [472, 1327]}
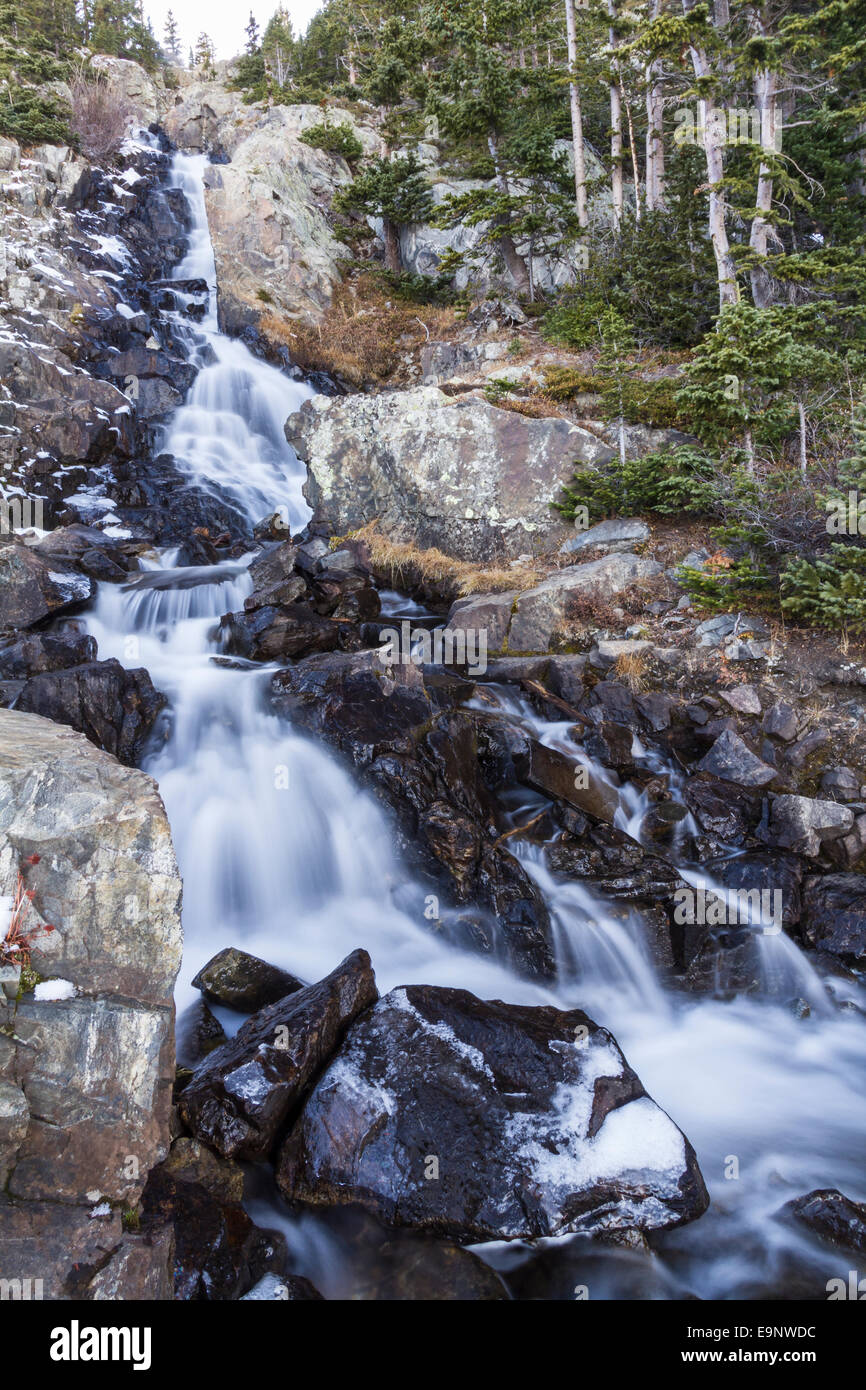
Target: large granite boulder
{"type": "Point", "coordinates": [488, 1121]}
{"type": "Point", "coordinates": [86, 1071]}
{"type": "Point", "coordinates": [459, 474]}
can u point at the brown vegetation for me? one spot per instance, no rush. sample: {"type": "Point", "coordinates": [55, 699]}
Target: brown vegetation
{"type": "Point", "coordinates": [100, 116]}
{"type": "Point", "coordinates": [401, 565]}
{"type": "Point", "coordinates": [366, 335]}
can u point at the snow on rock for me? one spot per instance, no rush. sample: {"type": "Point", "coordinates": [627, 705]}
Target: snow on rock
{"type": "Point", "coordinates": [489, 1121]}
{"type": "Point", "coordinates": [54, 990]}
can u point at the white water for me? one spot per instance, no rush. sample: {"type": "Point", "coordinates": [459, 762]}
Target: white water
{"type": "Point", "coordinates": [283, 855]}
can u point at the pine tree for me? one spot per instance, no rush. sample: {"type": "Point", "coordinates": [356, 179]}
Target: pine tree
{"type": "Point", "coordinates": [252, 33]}
{"type": "Point", "coordinates": [172, 38]}
{"type": "Point", "coordinates": [395, 190]}
{"type": "Point", "coordinates": [205, 56]}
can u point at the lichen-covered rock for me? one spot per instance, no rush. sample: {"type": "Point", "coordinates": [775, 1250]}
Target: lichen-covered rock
{"type": "Point", "coordinates": [542, 615]}
{"type": "Point", "coordinates": [462, 475]}
{"type": "Point", "coordinates": [129, 82]}
{"type": "Point", "coordinates": [488, 1121]}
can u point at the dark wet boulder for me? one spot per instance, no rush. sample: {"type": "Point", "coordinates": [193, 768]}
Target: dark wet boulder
{"type": "Point", "coordinates": [156, 501]}
{"type": "Point", "coordinates": [114, 707]}
{"type": "Point", "coordinates": [198, 1032]}
{"type": "Point", "coordinates": [279, 634]}
{"type": "Point", "coordinates": [32, 589]}
{"type": "Point", "coordinates": [717, 934]}
{"type": "Point", "coordinates": [354, 701]}
{"type": "Point", "coordinates": [482, 1121]}
{"type": "Point", "coordinates": [834, 916]}
{"type": "Point", "coordinates": [56, 649]}
{"type": "Point", "coordinates": [566, 779]}
{"type": "Point", "coordinates": [831, 1216]}
{"type": "Point", "coordinates": [240, 1097]}
{"type": "Point", "coordinates": [243, 982]}
{"type": "Point", "coordinates": [220, 1254]}
{"type": "Point", "coordinates": [724, 812]}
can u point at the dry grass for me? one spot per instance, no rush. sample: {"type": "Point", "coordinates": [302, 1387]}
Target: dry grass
{"type": "Point", "coordinates": [403, 566]}
{"type": "Point", "coordinates": [631, 669]}
{"type": "Point", "coordinates": [366, 335]}
{"type": "Point", "coordinates": [536, 407]}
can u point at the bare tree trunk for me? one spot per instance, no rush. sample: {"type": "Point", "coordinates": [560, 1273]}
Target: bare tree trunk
{"type": "Point", "coordinates": [615, 129]}
{"type": "Point", "coordinates": [576, 118]}
{"type": "Point", "coordinates": [801, 412]}
{"type": "Point", "coordinates": [634, 164]}
{"type": "Point", "coordinates": [655, 149]}
{"type": "Point", "coordinates": [750, 453]}
{"type": "Point", "coordinates": [514, 262]}
{"type": "Point", "coordinates": [353, 73]}
{"type": "Point", "coordinates": [725, 270]}
{"type": "Point", "coordinates": [765, 94]}
{"type": "Point", "coordinates": [391, 237]}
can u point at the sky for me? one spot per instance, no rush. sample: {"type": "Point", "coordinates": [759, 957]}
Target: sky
{"type": "Point", "coordinates": [224, 20]}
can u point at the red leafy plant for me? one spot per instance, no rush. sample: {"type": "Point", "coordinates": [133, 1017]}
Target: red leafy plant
{"type": "Point", "coordinates": [16, 945]}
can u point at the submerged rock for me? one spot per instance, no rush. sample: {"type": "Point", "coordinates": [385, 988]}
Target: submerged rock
{"type": "Point", "coordinates": [240, 1097]}
{"type": "Point", "coordinates": [488, 1121]}
{"type": "Point", "coordinates": [831, 1216]}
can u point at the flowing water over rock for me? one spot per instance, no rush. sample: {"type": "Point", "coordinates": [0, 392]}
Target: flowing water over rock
{"type": "Point", "coordinates": [283, 855]}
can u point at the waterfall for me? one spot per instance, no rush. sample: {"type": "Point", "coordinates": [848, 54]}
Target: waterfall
{"type": "Point", "coordinates": [283, 855]}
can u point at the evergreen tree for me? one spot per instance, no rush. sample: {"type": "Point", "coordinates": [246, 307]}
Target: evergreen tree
{"type": "Point", "coordinates": [253, 37]}
{"type": "Point", "coordinates": [205, 56]}
{"type": "Point", "coordinates": [394, 190]}
{"type": "Point", "coordinates": [172, 38]}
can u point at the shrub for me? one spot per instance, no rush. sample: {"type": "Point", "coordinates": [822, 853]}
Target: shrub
{"type": "Point", "coordinates": [100, 117]}
{"type": "Point", "coordinates": [334, 139]}
{"type": "Point", "coordinates": [576, 322]}
{"type": "Point", "coordinates": [668, 481]}
{"type": "Point", "coordinates": [34, 120]}
{"type": "Point", "coordinates": [828, 591]}
{"type": "Point", "coordinates": [727, 584]}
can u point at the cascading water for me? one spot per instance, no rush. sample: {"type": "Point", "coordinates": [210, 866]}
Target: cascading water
{"type": "Point", "coordinates": [283, 855]}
